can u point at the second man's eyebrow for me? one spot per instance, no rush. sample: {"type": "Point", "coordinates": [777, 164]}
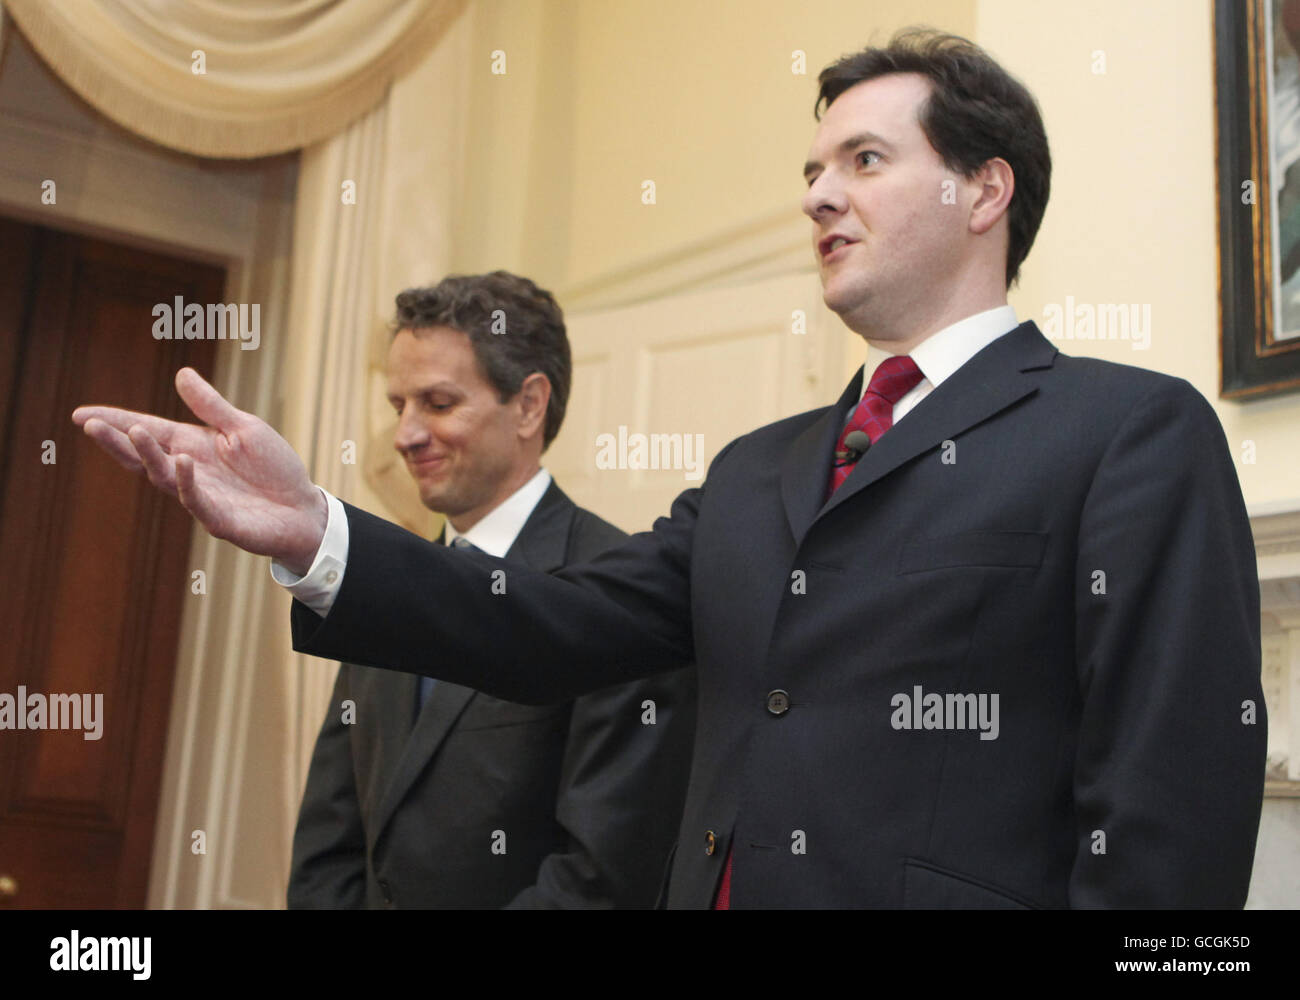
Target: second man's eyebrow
{"type": "Point", "coordinates": [849, 144]}
{"type": "Point", "coordinates": [427, 390]}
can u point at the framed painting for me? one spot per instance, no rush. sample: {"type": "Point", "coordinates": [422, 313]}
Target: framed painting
{"type": "Point", "coordinates": [1257, 82]}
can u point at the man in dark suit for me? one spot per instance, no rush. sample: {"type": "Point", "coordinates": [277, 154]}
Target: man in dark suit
{"type": "Point", "coordinates": [435, 795]}
{"type": "Point", "coordinates": [1003, 654]}
{"type": "Point", "coordinates": [471, 801]}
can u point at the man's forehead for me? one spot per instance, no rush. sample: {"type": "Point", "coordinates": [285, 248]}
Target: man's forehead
{"type": "Point", "coordinates": [428, 357]}
{"type": "Point", "coordinates": [884, 108]}
{"type": "Point", "coordinates": [426, 346]}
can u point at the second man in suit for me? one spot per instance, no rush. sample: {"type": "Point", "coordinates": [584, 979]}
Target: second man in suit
{"type": "Point", "coordinates": [430, 794]}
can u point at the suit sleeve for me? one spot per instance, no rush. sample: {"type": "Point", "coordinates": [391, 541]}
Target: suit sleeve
{"type": "Point", "coordinates": [1168, 777]}
{"type": "Point", "coordinates": [518, 634]}
{"type": "Point", "coordinates": [328, 870]}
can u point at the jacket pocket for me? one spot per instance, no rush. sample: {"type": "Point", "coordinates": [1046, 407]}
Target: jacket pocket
{"type": "Point", "coordinates": [928, 886]}
{"type": "Point", "coordinates": [1015, 549]}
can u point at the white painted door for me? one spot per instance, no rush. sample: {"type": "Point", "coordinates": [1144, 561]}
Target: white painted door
{"type": "Point", "coordinates": [671, 381]}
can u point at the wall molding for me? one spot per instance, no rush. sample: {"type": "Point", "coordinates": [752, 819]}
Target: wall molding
{"type": "Point", "coordinates": [777, 244]}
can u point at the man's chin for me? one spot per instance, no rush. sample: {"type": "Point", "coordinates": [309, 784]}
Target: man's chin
{"type": "Point", "coordinates": [436, 502]}
{"type": "Point", "coordinates": [840, 299]}
{"type": "Point", "coordinates": [851, 309]}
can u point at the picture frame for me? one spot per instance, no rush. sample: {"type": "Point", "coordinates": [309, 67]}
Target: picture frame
{"type": "Point", "coordinates": [1257, 118]}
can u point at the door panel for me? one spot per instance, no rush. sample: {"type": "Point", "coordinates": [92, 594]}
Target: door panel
{"type": "Point", "coordinates": [716, 363]}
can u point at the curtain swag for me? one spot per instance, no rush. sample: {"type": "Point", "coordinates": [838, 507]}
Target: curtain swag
{"type": "Point", "coordinates": [229, 79]}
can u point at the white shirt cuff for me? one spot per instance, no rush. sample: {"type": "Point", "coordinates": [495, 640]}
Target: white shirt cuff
{"type": "Point", "coordinates": [318, 588]}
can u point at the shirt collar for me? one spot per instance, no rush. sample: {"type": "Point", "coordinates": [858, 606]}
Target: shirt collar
{"type": "Point", "coordinates": [942, 353]}
{"type": "Point", "coordinates": [496, 532]}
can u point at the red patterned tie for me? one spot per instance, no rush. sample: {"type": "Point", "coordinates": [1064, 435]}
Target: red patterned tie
{"type": "Point", "coordinates": [893, 379]}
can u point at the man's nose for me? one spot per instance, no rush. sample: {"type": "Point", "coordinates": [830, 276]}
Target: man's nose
{"type": "Point", "coordinates": [411, 433]}
{"type": "Point", "coordinates": [824, 197]}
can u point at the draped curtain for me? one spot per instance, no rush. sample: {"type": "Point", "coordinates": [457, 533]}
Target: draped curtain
{"type": "Point", "coordinates": [230, 79]}
{"type": "Point", "coordinates": [401, 165]}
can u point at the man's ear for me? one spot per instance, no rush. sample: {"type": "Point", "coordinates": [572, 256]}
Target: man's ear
{"type": "Point", "coordinates": [533, 398]}
{"type": "Point", "coordinates": [994, 184]}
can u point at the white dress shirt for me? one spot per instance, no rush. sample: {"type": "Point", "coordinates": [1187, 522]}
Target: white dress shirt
{"type": "Point", "coordinates": [942, 353]}
{"type": "Point", "coordinates": [494, 534]}
{"type": "Point", "coordinates": [938, 356]}
{"type": "Point", "coordinates": [497, 531]}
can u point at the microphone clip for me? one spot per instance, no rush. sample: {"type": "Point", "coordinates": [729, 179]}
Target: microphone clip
{"type": "Point", "coordinates": [856, 444]}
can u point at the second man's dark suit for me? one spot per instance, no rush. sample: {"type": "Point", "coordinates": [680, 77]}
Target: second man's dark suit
{"type": "Point", "coordinates": [488, 803]}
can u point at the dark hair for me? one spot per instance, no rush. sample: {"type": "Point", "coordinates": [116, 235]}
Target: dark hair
{"type": "Point", "coordinates": [515, 328]}
{"type": "Point", "coordinates": [976, 111]}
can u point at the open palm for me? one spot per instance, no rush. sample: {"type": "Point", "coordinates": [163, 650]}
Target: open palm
{"type": "Point", "coordinates": [234, 473]}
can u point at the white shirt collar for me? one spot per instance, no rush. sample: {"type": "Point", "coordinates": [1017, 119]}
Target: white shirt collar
{"type": "Point", "coordinates": [496, 532]}
{"type": "Point", "coordinates": [942, 353]}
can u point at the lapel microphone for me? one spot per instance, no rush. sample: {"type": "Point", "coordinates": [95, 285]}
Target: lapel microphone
{"type": "Point", "coordinates": [856, 444]}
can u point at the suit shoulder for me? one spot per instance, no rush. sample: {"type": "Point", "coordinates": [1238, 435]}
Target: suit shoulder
{"type": "Point", "coordinates": [1125, 383]}
{"type": "Point", "coordinates": [1116, 401]}
{"type": "Point", "coordinates": [592, 534]}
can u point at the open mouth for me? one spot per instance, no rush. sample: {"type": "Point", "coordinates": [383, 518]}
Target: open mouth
{"type": "Point", "coordinates": [833, 244]}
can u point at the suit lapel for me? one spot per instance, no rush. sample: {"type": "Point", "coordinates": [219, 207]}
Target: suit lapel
{"type": "Point", "coordinates": [435, 721]}
{"type": "Point", "coordinates": [987, 384]}
{"type": "Point", "coordinates": [541, 545]}
{"type": "Point", "coordinates": [806, 467]}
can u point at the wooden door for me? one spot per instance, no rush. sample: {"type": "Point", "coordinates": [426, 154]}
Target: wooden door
{"type": "Point", "coordinates": [94, 563]}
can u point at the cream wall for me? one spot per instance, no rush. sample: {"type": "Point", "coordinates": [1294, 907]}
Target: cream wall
{"type": "Point", "coordinates": [1132, 211]}
{"type": "Point", "coordinates": [599, 97]}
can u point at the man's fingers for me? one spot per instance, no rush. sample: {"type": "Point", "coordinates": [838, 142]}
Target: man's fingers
{"type": "Point", "coordinates": [157, 463]}
{"type": "Point", "coordinates": [206, 403]}
{"type": "Point", "coordinates": [113, 441]}
{"type": "Point", "coordinates": [191, 498]}
{"type": "Point", "coordinates": [160, 429]}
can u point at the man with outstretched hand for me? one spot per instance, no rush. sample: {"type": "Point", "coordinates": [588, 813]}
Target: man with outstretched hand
{"type": "Point", "coordinates": [984, 633]}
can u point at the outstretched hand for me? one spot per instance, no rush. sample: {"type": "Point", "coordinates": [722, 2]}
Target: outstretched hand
{"type": "Point", "coordinates": [237, 476]}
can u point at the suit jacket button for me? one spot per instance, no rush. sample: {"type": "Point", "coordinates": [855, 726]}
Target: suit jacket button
{"type": "Point", "coordinates": [778, 702]}
{"type": "Point", "coordinates": [386, 890]}
{"type": "Point", "coordinates": [710, 843]}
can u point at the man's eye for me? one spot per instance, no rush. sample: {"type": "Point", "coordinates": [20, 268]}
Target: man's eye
{"type": "Point", "coordinates": [866, 153]}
